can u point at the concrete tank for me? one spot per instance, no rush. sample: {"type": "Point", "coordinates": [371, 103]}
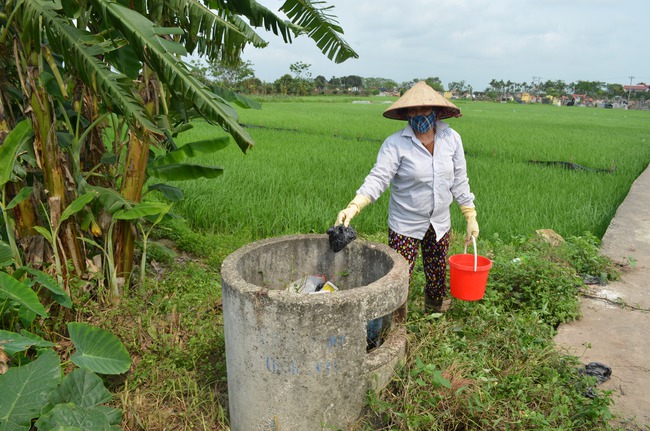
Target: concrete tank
{"type": "Point", "coordinates": [299, 361]}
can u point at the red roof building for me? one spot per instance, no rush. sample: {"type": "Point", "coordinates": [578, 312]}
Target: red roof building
{"type": "Point", "coordinates": [639, 88]}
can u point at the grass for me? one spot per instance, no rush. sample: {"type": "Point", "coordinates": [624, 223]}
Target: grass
{"type": "Point", "coordinates": [481, 366]}
{"type": "Point", "coordinates": [311, 157]}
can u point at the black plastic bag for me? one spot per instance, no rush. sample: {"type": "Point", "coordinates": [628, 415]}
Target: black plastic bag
{"type": "Point", "coordinates": [340, 236]}
{"type": "Point", "coordinates": [598, 370]}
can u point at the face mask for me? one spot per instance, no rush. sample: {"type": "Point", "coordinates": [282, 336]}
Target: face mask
{"type": "Point", "coordinates": [422, 123]}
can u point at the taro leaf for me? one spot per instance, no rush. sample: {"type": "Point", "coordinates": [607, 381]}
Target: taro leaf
{"type": "Point", "coordinates": [170, 192]}
{"type": "Point", "coordinates": [26, 315]}
{"type": "Point", "coordinates": [14, 290]}
{"type": "Point", "coordinates": [70, 417]}
{"type": "Point", "coordinates": [21, 196]}
{"type": "Point", "coordinates": [10, 147]}
{"type": "Point", "coordinates": [98, 350]}
{"type": "Point", "coordinates": [184, 171]}
{"type": "Point", "coordinates": [81, 387]}
{"type": "Point", "coordinates": [24, 390]}
{"type": "Point", "coordinates": [50, 284]}
{"type": "Point", "coordinates": [113, 414]}
{"type": "Point", "coordinates": [13, 342]}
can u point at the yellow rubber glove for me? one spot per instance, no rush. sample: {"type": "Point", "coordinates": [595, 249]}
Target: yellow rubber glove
{"type": "Point", "coordinates": [472, 224]}
{"type": "Point", "coordinates": [354, 207]}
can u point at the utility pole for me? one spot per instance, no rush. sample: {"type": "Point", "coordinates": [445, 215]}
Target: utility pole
{"type": "Point", "coordinates": [536, 81]}
{"type": "Point", "coordinates": [629, 90]}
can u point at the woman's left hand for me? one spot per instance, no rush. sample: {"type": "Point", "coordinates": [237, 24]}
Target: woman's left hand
{"type": "Point", "coordinates": [472, 224]}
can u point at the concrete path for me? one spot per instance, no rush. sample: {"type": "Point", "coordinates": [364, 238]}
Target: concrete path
{"type": "Point", "coordinates": [615, 326]}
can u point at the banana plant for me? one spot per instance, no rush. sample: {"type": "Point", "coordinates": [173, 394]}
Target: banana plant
{"type": "Point", "coordinates": [52, 236]}
{"type": "Point", "coordinates": [8, 153]}
{"type": "Point", "coordinates": [104, 85]}
{"type": "Point", "coordinates": [139, 212]}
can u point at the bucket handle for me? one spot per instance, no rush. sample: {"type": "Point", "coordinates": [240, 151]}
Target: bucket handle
{"type": "Point", "coordinates": [475, 253]}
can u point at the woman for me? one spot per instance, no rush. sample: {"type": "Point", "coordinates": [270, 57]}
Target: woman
{"type": "Point", "coordinates": [425, 165]}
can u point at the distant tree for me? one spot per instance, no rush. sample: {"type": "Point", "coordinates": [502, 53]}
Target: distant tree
{"type": "Point", "coordinates": [435, 83]}
{"type": "Point", "coordinates": [335, 82]}
{"type": "Point", "coordinates": [300, 70]}
{"type": "Point", "coordinates": [491, 94]}
{"type": "Point", "coordinates": [590, 88]}
{"type": "Point", "coordinates": [497, 87]}
{"type": "Point", "coordinates": [352, 81]}
{"type": "Point", "coordinates": [378, 84]}
{"type": "Point", "coordinates": [302, 87]}
{"type": "Point", "coordinates": [283, 84]}
{"type": "Point", "coordinates": [252, 86]}
{"type": "Point", "coordinates": [614, 90]}
{"type": "Point", "coordinates": [554, 88]}
{"type": "Point", "coordinates": [320, 82]}
{"type": "Point", "coordinates": [229, 76]}
{"type": "Point", "coordinates": [561, 87]}
{"type": "Point", "coordinates": [459, 87]}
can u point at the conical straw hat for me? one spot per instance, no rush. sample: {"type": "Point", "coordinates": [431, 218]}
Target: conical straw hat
{"type": "Point", "coordinates": [422, 95]}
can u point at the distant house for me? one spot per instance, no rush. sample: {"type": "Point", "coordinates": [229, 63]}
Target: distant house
{"type": "Point", "coordinates": [579, 98]}
{"type": "Point", "coordinates": [639, 88]}
{"type": "Point", "coordinates": [552, 100]}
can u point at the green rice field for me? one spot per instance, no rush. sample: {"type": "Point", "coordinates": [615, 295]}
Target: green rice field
{"type": "Point", "coordinates": [312, 154]}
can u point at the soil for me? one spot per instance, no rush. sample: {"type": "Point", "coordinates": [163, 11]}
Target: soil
{"type": "Point", "coordinates": [615, 323]}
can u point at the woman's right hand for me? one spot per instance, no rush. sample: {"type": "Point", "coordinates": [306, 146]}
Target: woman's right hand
{"type": "Point", "coordinates": [354, 207]}
{"type": "Point", "coordinates": [346, 215]}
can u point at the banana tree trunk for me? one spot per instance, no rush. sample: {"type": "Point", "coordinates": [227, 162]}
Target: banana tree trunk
{"type": "Point", "coordinates": [4, 126]}
{"type": "Point", "coordinates": [94, 149]}
{"type": "Point", "coordinates": [52, 161]}
{"type": "Point", "coordinates": [133, 180]}
{"type": "Point", "coordinates": [25, 216]}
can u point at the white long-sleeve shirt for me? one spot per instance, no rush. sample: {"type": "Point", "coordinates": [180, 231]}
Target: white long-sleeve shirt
{"type": "Point", "coordinates": [423, 185]}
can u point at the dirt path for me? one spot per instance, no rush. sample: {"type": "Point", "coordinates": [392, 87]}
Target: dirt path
{"type": "Point", "coordinates": [615, 327]}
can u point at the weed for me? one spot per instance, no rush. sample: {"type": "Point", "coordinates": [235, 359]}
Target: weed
{"type": "Point", "coordinates": [482, 365]}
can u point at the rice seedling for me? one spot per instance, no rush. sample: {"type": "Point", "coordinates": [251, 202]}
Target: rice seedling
{"type": "Point", "coordinates": [312, 155]}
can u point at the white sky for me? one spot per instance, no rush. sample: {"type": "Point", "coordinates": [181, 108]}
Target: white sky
{"type": "Point", "coordinates": [475, 41]}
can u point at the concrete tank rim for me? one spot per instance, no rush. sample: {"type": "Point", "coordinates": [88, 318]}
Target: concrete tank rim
{"type": "Point", "coordinates": [230, 273]}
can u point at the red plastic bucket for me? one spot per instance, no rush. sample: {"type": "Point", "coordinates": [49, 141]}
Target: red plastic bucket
{"type": "Point", "coordinates": [468, 274]}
